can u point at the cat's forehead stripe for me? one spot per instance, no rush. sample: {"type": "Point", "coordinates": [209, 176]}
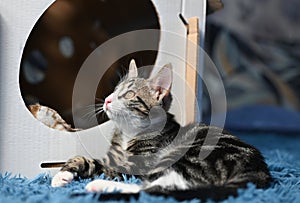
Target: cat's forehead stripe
{"type": "Point", "coordinates": [130, 84]}
{"type": "Point", "coordinates": [133, 82]}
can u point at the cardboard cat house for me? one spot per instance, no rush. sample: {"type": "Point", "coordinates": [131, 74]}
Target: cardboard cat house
{"type": "Point", "coordinates": [39, 58]}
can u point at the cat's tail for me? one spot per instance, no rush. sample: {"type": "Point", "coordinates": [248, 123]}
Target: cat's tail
{"type": "Point", "coordinates": [216, 193]}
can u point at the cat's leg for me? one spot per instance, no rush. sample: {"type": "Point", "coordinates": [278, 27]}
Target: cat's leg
{"type": "Point", "coordinates": [78, 166]}
{"type": "Point", "coordinates": [111, 186]}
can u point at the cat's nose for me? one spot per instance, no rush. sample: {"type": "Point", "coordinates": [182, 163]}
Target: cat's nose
{"type": "Point", "coordinates": [107, 101]}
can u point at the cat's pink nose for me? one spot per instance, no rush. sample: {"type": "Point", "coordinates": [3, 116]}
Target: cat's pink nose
{"type": "Point", "coordinates": [107, 101]}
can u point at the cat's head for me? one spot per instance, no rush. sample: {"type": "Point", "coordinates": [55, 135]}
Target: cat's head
{"type": "Point", "coordinates": [137, 103]}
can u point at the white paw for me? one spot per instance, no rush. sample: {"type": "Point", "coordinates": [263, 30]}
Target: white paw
{"type": "Point", "coordinates": [111, 186]}
{"type": "Point", "coordinates": [62, 178]}
{"type": "Point", "coordinates": [101, 185]}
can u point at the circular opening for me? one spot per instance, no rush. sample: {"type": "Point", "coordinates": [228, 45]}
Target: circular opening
{"type": "Point", "coordinates": [65, 35]}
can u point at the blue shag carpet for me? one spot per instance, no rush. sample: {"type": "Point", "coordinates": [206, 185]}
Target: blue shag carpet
{"type": "Point", "coordinates": [282, 153]}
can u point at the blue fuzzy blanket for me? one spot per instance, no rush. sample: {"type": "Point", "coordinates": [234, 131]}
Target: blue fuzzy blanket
{"type": "Point", "coordinates": [282, 154]}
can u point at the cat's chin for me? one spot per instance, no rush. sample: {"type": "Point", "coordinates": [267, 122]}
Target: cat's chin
{"type": "Point", "coordinates": [130, 129]}
{"type": "Point", "coordinates": [110, 115]}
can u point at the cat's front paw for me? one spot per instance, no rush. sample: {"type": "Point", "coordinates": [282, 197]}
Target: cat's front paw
{"type": "Point", "coordinates": [62, 178]}
{"type": "Point", "coordinates": [111, 186]}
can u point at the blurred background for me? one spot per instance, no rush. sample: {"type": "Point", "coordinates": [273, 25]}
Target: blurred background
{"type": "Point", "coordinates": [256, 48]}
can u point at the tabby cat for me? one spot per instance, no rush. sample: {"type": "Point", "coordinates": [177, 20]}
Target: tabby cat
{"type": "Point", "coordinates": [149, 143]}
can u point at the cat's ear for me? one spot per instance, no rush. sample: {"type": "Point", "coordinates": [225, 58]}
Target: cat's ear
{"type": "Point", "coordinates": [162, 81]}
{"type": "Point", "coordinates": [133, 72]}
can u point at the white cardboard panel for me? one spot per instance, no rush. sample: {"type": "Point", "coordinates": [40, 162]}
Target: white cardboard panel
{"type": "Point", "coordinates": [24, 141]}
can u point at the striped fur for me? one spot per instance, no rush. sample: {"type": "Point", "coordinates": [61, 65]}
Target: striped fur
{"type": "Point", "coordinates": [169, 159]}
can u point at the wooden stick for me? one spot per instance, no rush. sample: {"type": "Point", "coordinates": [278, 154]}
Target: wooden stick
{"type": "Point", "coordinates": [191, 69]}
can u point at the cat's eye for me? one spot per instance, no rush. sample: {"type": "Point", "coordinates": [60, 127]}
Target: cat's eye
{"type": "Point", "coordinates": [129, 94]}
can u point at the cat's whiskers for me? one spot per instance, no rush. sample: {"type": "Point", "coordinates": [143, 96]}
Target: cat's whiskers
{"type": "Point", "coordinates": [98, 111]}
{"type": "Point", "coordinates": [99, 100]}
{"type": "Point", "coordinates": [92, 106]}
{"type": "Point", "coordinates": [93, 110]}
{"type": "Point", "coordinates": [88, 116]}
